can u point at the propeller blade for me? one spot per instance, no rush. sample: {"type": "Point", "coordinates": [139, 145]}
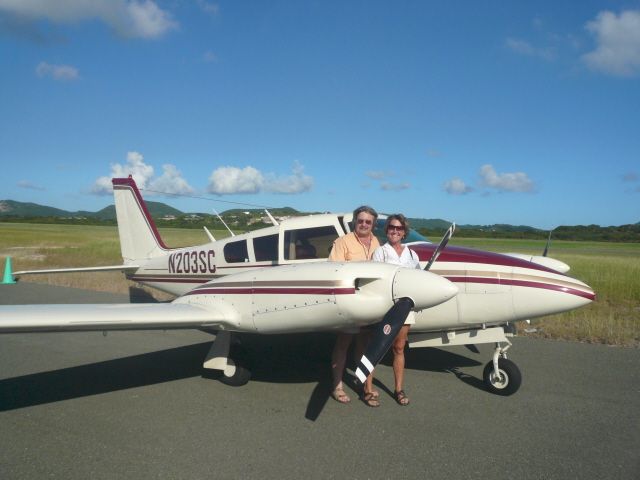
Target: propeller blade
{"type": "Point", "coordinates": [384, 333]}
{"type": "Point", "coordinates": [445, 239]}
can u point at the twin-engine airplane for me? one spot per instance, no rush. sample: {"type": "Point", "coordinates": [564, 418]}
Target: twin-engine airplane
{"type": "Point", "coordinates": [278, 280]}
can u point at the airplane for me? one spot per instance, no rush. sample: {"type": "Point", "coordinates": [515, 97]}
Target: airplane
{"type": "Point", "coordinates": [277, 280]}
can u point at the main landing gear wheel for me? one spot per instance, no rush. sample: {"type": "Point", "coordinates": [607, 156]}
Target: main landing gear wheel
{"type": "Point", "coordinates": [507, 382]}
{"type": "Point", "coordinates": [236, 374]}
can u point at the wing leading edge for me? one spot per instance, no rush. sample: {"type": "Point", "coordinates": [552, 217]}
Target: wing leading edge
{"type": "Point", "coordinates": [88, 317]}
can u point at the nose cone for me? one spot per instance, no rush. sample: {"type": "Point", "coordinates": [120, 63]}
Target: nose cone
{"type": "Point", "coordinates": [426, 289]}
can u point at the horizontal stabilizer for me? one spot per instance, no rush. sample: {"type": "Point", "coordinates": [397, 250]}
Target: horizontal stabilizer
{"type": "Point", "coordinates": [145, 316]}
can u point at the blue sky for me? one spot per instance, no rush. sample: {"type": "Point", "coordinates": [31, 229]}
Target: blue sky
{"type": "Point", "coordinates": [475, 112]}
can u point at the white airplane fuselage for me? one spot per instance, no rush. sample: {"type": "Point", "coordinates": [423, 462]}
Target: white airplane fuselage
{"type": "Point", "coordinates": [493, 289]}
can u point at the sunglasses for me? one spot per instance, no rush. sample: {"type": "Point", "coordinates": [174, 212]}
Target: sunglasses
{"type": "Point", "coordinates": [365, 221]}
{"type": "Point", "coordinates": [396, 228]}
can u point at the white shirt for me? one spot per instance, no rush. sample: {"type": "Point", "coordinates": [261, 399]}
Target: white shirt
{"type": "Point", "coordinates": [408, 259]}
{"type": "Point", "coordinates": [387, 254]}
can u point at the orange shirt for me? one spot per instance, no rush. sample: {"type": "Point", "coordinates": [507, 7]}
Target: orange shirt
{"type": "Point", "coordinates": [349, 248]}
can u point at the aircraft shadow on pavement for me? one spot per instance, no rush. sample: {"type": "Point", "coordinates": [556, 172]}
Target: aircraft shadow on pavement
{"type": "Point", "coordinates": [303, 358]}
{"type": "Point", "coordinates": [102, 377]}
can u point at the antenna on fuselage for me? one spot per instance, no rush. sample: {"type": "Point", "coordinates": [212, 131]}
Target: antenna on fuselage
{"type": "Point", "coordinates": [226, 226]}
{"type": "Point", "coordinates": [546, 247]}
{"type": "Point", "coordinates": [206, 230]}
{"type": "Point", "coordinates": [273, 220]}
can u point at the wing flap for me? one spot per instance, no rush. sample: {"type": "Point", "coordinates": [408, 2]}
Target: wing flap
{"type": "Point", "coordinates": [145, 316]}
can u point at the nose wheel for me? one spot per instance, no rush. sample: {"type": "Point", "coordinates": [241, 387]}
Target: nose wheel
{"type": "Point", "coordinates": [501, 376]}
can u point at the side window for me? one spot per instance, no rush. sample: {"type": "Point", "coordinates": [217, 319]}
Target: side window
{"type": "Point", "coordinates": [309, 243]}
{"type": "Point", "coordinates": [266, 248]}
{"type": "Point", "coordinates": [236, 252]}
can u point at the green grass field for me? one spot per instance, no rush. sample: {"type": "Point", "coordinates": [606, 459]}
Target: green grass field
{"type": "Point", "coordinates": [611, 269]}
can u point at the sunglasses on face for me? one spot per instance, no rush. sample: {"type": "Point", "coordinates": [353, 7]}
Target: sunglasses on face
{"type": "Point", "coordinates": [395, 228]}
{"type": "Point", "coordinates": [364, 221]}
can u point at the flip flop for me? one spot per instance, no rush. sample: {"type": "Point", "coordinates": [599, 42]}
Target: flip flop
{"type": "Point", "coordinates": [401, 398]}
{"type": "Point", "coordinates": [370, 400]}
{"type": "Point", "coordinates": [339, 396]}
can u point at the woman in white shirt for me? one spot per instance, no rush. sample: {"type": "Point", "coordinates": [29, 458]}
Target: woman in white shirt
{"type": "Point", "coordinates": [395, 253]}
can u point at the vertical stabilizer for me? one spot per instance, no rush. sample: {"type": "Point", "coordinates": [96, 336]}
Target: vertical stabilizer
{"type": "Point", "coordinates": [139, 237]}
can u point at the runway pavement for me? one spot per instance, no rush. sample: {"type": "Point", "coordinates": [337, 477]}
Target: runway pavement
{"type": "Point", "coordinates": [136, 404]}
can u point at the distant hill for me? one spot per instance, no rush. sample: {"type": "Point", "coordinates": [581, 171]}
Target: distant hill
{"type": "Point", "coordinates": [11, 208]}
{"type": "Point", "coordinates": [432, 224]}
{"type": "Point", "coordinates": [21, 209]}
{"type": "Point", "coordinates": [242, 219]}
{"type": "Point", "coordinates": [156, 209]}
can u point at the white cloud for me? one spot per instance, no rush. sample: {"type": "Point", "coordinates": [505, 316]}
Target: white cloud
{"type": "Point", "coordinates": [135, 166]}
{"type": "Point", "coordinates": [30, 186]}
{"type": "Point", "coordinates": [523, 47]}
{"type": "Point", "coordinates": [211, 8]}
{"type": "Point", "coordinates": [508, 182]}
{"type": "Point", "coordinates": [378, 174]}
{"type": "Point", "coordinates": [169, 183]}
{"type": "Point", "coordinates": [57, 72]}
{"type": "Point", "coordinates": [298, 182]}
{"type": "Point", "coordinates": [394, 187]}
{"type": "Point", "coordinates": [230, 180]}
{"type": "Point", "coordinates": [617, 43]}
{"type": "Point", "coordinates": [209, 57]}
{"type": "Point", "coordinates": [129, 18]}
{"type": "Point", "coordinates": [455, 186]}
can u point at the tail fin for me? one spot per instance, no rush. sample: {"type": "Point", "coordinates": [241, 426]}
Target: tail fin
{"type": "Point", "coordinates": [139, 237]}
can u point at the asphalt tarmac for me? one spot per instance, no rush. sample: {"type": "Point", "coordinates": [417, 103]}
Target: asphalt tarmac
{"type": "Point", "coordinates": [136, 404]}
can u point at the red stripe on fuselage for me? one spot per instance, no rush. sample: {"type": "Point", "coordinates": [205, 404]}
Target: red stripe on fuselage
{"type": "Point", "coordinates": [524, 283]}
{"type": "Point", "coordinates": [469, 255]}
{"type": "Point", "coordinates": [273, 291]}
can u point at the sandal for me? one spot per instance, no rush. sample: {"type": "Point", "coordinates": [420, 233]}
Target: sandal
{"type": "Point", "coordinates": [401, 398]}
{"type": "Point", "coordinates": [371, 400]}
{"type": "Point", "coordinates": [339, 396]}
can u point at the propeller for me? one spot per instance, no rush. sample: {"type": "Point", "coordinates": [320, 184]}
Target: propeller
{"type": "Point", "coordinates": [384, 333]}
{"type": "Point", "coordinates": [443, 243]}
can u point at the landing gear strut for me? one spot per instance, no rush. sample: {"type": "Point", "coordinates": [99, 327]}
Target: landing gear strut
{"type": "Point", "coordinates": [227, 357]}
{"type": "Point", "coordinates": [502, 376]}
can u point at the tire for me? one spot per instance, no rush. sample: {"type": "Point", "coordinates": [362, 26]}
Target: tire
{"type": "Point", "coordinates": [509, 381]}
{"type": "Point", "coordinates": [237, 372]}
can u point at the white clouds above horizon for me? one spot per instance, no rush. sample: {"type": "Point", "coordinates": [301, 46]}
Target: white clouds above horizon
{"type": "Point", "coordinates": [395, 187]}
{"type": "Point", "coordinates": [128, 18]}
{"type": "Point", "coordinates": [231, 180]}
{"type": "Point", "coordinates": [617, 38]}
{"type": "Point", "coordinates": [386, 186]}
{"type": "Point", "coordinates": [455, 186]}
{"type": "Point", "coordinates": [523, 47]}
{"type": "Point", "coordinates": [57, 72]}
{"type": "Point", "coordinates": [169, 183]}
{"type": "Point", "coordinates": [210, 8]}
{"type": "Point", "coordinates": [505, 182]}
{"type": "Point", "coordinates": [489, 178]}
{"type": "Point", "coordinates": [29, 185]}
{"type": "Point", "coordinates": [378, 174]}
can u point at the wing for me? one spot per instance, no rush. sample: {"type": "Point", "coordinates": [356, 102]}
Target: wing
{"type": "Point", "coordinates": [144, 316]}
{"type": "Point", "coordinates": [110, 268]}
